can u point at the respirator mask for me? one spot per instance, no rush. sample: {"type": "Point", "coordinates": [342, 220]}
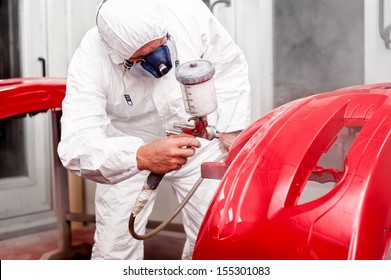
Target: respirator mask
{"type": "Point", "coordinates": [156, 64]}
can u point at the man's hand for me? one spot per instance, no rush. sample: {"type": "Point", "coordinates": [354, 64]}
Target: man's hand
{"type": "Point", "coordinates": [227, 139]}
{"type": "Point", "coordinates": [166, 154]}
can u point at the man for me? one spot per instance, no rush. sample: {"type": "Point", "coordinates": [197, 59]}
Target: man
{"type": "Point", "coordinates": [119, 103]}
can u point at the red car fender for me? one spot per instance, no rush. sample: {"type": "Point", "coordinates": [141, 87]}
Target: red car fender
{"type": "Point", "coordinates": [255, 213]}
{"type": "Point", "coordinates": [28, 95]}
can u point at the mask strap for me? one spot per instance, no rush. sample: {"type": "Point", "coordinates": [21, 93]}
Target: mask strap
{"type": "Point", "coordinates": [128, 64]}
{"type": "Point", "coordinates": [170, 38]}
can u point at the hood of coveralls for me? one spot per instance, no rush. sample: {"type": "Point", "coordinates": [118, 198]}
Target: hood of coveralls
{"type": "Point", "coordinates": [125, 26]}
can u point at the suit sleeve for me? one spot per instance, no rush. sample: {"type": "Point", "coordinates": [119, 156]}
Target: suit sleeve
{"type": "Point", "coordinates": [90, 146]}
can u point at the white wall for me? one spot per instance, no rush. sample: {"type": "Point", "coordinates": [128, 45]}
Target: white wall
{"type": "Point", "coordinates": [250, 24]}
{"type": "Point", "coordinates": [377, 56]}
{"type": "Point", "coordinates": [254, 34]}
{"type": "Point", "coordinates": [33, 36]}
{"type": "Point", "coordinates": [53, 29]}
{"type": "Point", "coordinates": [67, 21]}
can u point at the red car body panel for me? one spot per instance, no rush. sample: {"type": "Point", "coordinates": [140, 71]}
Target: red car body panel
{"type": "Point", "coordinates": [255, 213]}
{"type": "Point", "coordinates": [29, 95]}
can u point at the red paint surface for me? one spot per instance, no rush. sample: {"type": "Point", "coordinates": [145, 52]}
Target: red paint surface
{"type": "Point", "coordinates": [255, 213]}
{"type": "Point", "coordinates": [29, 95]}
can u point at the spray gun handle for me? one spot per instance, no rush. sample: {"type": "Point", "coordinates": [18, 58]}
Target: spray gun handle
{"type": "Point", "coordinates": [153, 180]}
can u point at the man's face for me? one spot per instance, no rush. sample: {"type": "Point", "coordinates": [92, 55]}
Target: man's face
{"type": "Point", "coordinates": [147, 49]}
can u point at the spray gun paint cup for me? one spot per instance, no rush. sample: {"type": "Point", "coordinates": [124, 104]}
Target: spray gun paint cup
{"type": "Point", "coordinates": [198, 91]}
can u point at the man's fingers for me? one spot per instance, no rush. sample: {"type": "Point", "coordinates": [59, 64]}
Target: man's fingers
{"type": "Point", "coordinates": [181, 135]}
{"type": "Point", "coordinates": [187, 152]}
{"type": "Point", "coordinates": [166, 154]}
{"type": "Point", "coordinates": [186, 142]}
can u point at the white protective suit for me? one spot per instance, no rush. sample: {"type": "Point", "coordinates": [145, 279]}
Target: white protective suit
{"type": "Point", "coordinates": [101, 131]}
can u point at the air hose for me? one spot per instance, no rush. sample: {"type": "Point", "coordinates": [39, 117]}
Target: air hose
{"type": "Point", "coordinates": [143, 199]}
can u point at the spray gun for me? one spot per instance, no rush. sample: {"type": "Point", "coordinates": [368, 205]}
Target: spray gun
{"type": "Point", "coordinates": [199, 97]}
